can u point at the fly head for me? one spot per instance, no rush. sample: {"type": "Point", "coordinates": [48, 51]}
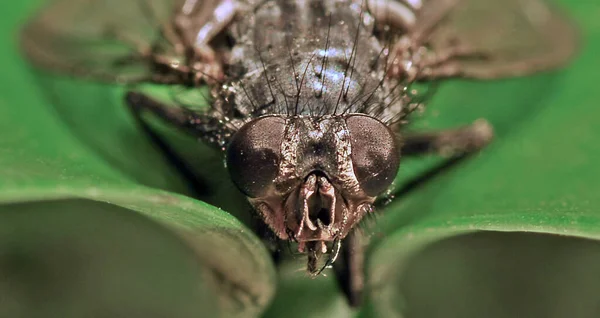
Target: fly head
{"type": "Point", "coordinates": [312, 179]}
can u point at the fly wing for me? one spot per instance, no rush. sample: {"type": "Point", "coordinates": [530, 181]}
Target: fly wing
{"type": "Point", "coordinates": [106, 40]}
{"type": "Point", "coordinates": [507, 37]}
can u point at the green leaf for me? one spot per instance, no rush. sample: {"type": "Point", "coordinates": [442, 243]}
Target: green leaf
{"type": "Point", "coordinates": [92, 218]}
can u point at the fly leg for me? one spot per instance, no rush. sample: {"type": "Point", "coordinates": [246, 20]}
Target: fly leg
{"type": "Point", "coordinates": [212, 17]}
{"type": "Point", "coordinates": [349, 268]}
{"type": "Point", "coordinates": [397, 13]}
{"type": "Point", "coordinates": [201, 126]}
{"type": "Point", "coordinates": [409, 58]}
{"type": "Point", "coordinates": [454, 142]}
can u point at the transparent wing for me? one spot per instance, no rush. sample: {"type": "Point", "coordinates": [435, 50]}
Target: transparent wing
{"type": "Point", "coordinates": [496, 38]}
{"type": "Point", "coordinates": [107, 40]}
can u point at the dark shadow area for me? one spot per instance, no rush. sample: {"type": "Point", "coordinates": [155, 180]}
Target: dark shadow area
{"type": "Point", "coordinates": [498, 275]}
{"type": "Point", "coordinates": [80, 258]}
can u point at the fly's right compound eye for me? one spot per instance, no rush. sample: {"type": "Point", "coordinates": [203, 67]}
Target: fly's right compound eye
{"type": "Point", "coordinates": [253, 155]}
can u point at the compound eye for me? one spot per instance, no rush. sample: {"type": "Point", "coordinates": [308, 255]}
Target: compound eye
{"type": "Point", "coordinates": [253, 155]}
{"type": "Point", "coordinates": [375, 155]}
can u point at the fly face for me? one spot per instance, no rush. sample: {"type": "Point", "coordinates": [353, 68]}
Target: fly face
{"type": "Point", "coordinates": [312, 179]}
{"type": "Point", "coordinates": [308, 97]}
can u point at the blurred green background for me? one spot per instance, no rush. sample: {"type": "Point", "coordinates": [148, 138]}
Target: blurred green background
{"type": "Point", "coordinates": [94, 223]}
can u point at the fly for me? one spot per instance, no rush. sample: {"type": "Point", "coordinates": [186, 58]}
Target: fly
{"type": "Point", "coordinates": [308, 97]}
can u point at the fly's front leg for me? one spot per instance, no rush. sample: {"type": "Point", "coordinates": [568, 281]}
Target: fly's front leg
{"type": "Point", "coordinates": [210, 128]}
{"type": "Point", "coordinates": [452, 142]}
{"type": "Point", "coordinates": [349, 268]}
{"type": "Point", "coordinates": [198, 125]}
{"type": "Point", "coordinates": [178, 117]}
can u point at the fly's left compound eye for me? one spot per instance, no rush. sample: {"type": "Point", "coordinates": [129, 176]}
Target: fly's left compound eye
{"type": "Point", "coordinates": [253, 155]}
{"type": "Point", "coordinates": [375, 155]}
